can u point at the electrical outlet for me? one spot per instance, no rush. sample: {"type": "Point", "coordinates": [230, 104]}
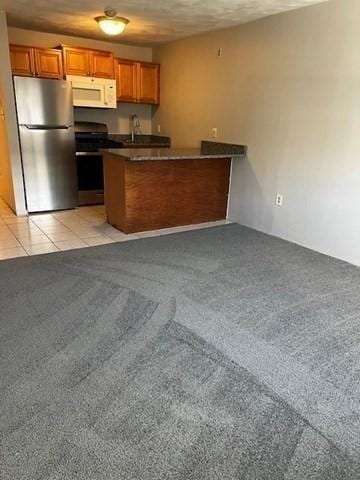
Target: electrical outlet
{"type": "Point", "coordinates": [214, 132]}
{"type": "Point", "coordinates": [159, 128]}
{"type": "Point", "coordinates": [279, 199]}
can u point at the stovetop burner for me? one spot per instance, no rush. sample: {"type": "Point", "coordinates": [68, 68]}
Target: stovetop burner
{"type": "Point", "coordinates": [91, 137]}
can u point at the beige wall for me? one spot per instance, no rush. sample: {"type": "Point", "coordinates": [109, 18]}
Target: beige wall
{"type": "Point", "coordinates": [288, 86]}
{"type": "Point", "coordinates": [11, 181]}
{"type": "Point", "coordinates": [117, 119]}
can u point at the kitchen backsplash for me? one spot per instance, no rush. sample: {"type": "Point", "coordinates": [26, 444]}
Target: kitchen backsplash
{"type": "Point", "coordinates": [117, 120]}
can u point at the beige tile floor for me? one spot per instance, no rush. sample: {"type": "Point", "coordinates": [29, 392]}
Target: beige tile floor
{"type": "Point", "coordinates": [65, 230]}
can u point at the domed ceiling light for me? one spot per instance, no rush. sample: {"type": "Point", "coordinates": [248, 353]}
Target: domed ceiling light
{"type": "Point", "coordinates": [110, 23]}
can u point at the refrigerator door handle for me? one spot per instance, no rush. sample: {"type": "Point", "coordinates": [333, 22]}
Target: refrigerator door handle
{"type": "Point", "coordinates": [46, 127]}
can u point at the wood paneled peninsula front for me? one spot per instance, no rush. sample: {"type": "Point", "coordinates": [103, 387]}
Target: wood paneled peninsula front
{"type": "Point", "coordinates": [150, 189]}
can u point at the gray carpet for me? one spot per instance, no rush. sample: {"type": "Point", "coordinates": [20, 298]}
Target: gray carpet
{"type": "Point", "coordinates": [213, 354]}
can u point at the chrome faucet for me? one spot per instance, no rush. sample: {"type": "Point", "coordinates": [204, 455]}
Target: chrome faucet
{"type": "Point", "coordinates": [135, 127]}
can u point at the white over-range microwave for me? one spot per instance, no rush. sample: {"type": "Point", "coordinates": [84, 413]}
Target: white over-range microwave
{"type": "Point", "coordinates": [93, 92]}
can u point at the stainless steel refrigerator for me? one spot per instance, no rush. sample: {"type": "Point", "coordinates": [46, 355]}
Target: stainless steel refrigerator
{"type": "Point", "coordinates": [46, 127]}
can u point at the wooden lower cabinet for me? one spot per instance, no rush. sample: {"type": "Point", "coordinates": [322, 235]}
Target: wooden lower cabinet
{"type": "Point", "coordinates": [155, 194]}
{"type": "Point", "coordinates": [48, 63]}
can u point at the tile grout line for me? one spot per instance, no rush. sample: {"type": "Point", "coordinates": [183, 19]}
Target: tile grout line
{"type": "Point", "coordinates": [88, 225]}
{"type": "Point", "coordinates": [14, 237]}
{"type": "Point", "coordinates": [85, 240]}
{"type": "Point", "coordinates": [44, 233]}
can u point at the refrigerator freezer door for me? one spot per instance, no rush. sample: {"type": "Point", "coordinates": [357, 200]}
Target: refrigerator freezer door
{"type": "Point", "coordinates": [49, 166]}
{"type": "Point", "coordinates": [43, 102]}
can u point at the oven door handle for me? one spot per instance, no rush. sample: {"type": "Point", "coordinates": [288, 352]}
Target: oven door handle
{"type": "Point", "coordinates": [88, 154]}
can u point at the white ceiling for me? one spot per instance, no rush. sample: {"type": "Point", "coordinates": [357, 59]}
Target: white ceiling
{"type": "Point", "coordinates": [151, 21]}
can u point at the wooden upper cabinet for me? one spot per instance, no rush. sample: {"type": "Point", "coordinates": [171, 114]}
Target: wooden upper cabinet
{"type": "Point", "coordinates": [48, 63]}
{"type": "Point", "coordinates": [101, 64]}
{"type": "Point", "coordinates": [148, 82]}
{"type": "Point", "coordinates": [126, 85]}
{"type": "Point", "coordinates": [22, 60]}
{"type": "Point", "coordinates": [84, 62]}
{"type": "Point", "coordinates": [76, 61]}
{"type": "Point", "coordinates": [137, 81]}
{"type": "Point", "coordinates": [39, 62]}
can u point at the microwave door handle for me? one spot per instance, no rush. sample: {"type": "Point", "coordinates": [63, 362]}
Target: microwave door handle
{"type": "Point", "coordinates": [104, 94]}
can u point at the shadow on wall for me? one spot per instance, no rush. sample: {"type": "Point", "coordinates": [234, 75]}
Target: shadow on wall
{"type": "Point", "coordinates": [248, 204]}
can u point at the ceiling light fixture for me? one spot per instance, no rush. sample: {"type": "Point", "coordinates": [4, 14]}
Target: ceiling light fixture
{"type": "Point", "coordinates": [110, 23]}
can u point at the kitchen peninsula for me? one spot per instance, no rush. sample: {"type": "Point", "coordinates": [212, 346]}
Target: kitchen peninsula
{"type": "Point", "coordinates": [154, 188]}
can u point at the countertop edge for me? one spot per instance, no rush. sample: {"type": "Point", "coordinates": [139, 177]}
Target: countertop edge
{"type": "Point", "coordinates": [208, 150]}
{"type": "Point", "coordinates": [172, 157]}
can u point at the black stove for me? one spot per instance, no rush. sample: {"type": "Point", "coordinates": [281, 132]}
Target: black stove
{"type": "Point", "coordinates": [94, 144]}
{"type": "Point", "coordinates": [90, 137]}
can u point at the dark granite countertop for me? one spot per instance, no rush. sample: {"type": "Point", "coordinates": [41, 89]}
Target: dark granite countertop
{"type": "Point", "coordinates": [141, 141]}
{"type": "Point", "coordinates": [207, 150]}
